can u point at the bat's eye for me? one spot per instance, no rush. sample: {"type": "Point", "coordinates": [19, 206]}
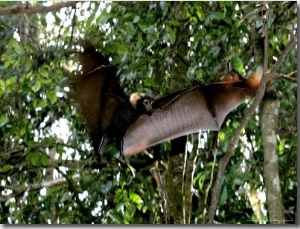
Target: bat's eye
{"type": "Point", "coordinates": [146, 102]}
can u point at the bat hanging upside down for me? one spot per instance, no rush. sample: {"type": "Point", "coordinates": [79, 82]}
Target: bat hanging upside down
{"type": "Point", "coordinates": [202, 107]}
{"type": "Point", "coordinates": [138, 122]}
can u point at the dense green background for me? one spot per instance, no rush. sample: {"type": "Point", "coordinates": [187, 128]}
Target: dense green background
{"type": "Point", "coordinates": [159, 47]}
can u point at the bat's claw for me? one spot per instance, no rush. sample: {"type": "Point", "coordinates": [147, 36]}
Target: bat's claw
{"type": "Point", "coordinates": [126, 160]}
{"type": "Point", "coordinates": [131, 168]}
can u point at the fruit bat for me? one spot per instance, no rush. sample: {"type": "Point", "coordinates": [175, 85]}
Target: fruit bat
{"type": "Point", "coordinates": [188, 111]}
{"type": "Point", "coordinates": [107, 110]}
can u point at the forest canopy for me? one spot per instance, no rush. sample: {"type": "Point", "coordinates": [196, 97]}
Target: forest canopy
{"type": "Point", "coordinates": [246, 173]}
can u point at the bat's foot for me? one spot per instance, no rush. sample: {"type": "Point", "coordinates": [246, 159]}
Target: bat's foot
{"type": "Point", "coordinates": [130, 167]}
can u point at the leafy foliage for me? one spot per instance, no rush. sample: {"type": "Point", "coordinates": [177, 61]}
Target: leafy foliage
{"type": "Point", "coordinates": [48, 174]}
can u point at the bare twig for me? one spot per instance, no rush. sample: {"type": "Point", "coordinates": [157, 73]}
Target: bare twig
{"type": "Point", "coordinates": [36, 9]}
{"type": "Point", "coordinates": [287, 76]}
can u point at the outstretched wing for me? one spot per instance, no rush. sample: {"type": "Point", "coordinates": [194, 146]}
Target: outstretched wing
{"type": "Point", "coordinates": [188, 111]}
{"type": "Point", "coordinates": [92, 91]}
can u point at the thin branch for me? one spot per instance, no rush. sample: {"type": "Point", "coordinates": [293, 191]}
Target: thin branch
{"type": "Point", "coordinates": [287, 76]}
{"type": "Point", "coordinates": [73, 26]}
{"type": "Point", "coordinates": [36, 9]}
{"type": "Point", "coordinates": [21, 189]}
{"type": "Point", "coordinates": [281, 58]}
{"type": "Point", "coordinates": [210, 184]}
{"type": "Point", "coordinates": [188, 179]}
{"type": "Point", "coordinates": [157, 177]}
{"type": "Point", "coordinates": [266, 46]}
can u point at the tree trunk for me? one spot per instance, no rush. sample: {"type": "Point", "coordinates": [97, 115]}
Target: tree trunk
{"type": "Point", "coordinates": [269, 120]}
{"type": "Point", "coordinates": [174, 181]}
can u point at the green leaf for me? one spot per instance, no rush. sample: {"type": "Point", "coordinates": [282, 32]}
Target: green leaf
{"type": "Point", "coordinates": [185, 12]}
{"type": "Point", "coordinates": [200, 13]}
{"type": "Point", "coordinates": [30, 142]}
{"type": "Point", "coordinates": [123, 49]}
{"type": "Point", "coordinates": [16, 45]}
{"type": "Point", "coordinates": [52, 96]}
{"type": "Point", "coordinates": [59, 148]}
{"type": "Point", "coordinates": [145, 25]}
{"type": "Point", "coordinates": [34, 158]}
{"type": "Point", "coordinates": [198, 47]}
{"type": "Point", "coordinates": [40, 104]}
{"type": "Point", "coordinates": [104, 16]}
{"type": "Point", "coordinates": [193, 20]}
{"type": "Point", "coordinates": [120, 205]}
{"type": "Point", "coordinates": [214, 51]}
{"type": "Point", "coordinates": [2, 86]}
{"type": "Point", "coordinates": [6, 168]}
{"type": "Point", "coordinates": [46, 214]}
{"type": "Point", "coordinates": [223, 197]}
{"type": "Point", "coordinates": [136, 19]}
{"type": "Point", "coordinates": [36, 86]}
{"type": "Point", "coordinates": [11, 81]}
{"type": "Point", "coordinates": [227, 20]}
{"type": "Point", "coordinates": [201, 181]}
{"type": "Point", "coordinates": [237, 64]}
{"type": "Point", "coordinates": [145, 208]}
{"type": "Point", "coordinates": [130, 210]}
{"type": "Point", "coordinates": [174, 23]}
{"type": "Point", "coordinates": [45, 81]}
{"type": "Point", "coordinates": [171, 34]}
{"type": "Point", "coordinates": [43, 72]}
{"type": "Point", "coordinates": [44, 159]}
{"type": "Point", "coordinates": [216, 15]}
{"type": "Point", "coordinates": [65, 197]}
{"type": "Point", "coordinates": [23, 131]}
{"type": "Point", "coordinates": [116, 217]}
{"type": "Point", "coordinates": [3, 120]}
{"type": "Point", "coordinates": [135, 198]}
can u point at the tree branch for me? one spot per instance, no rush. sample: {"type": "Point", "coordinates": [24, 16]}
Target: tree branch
{"type": "Point", "coordinates": [188, 179]}
{"type": "Point", "coordinates": [287, 76]}
{"type": "Point", "coordinates": [21, 189]}
{"type": "Point", "coordinates": [161, 187]}
{"type": "Point", "coordinates": [281, 58]}
{"type": "Point", "coordinates": [36, 9]}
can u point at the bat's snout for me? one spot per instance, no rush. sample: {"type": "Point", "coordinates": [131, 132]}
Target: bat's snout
{"type": "Point", "coordinates": [149, 110]}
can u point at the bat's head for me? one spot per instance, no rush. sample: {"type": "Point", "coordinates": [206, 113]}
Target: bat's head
{"type": "Point", "coordinates": [142, 103]}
